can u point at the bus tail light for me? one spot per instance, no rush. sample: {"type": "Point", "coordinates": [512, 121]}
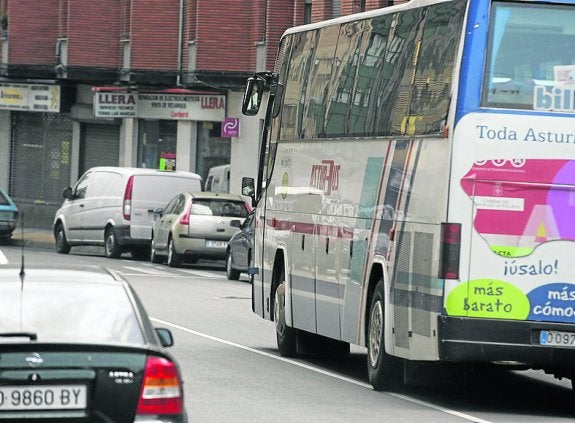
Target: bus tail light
{"type": "Point", "coordinates": [161, 391]}
{"type": "Point", "coordinates": [185, 218]}
{"type": "Point", "coordinates": [127, 203]}
{"type": "Point", "coordinates": [450, 250]}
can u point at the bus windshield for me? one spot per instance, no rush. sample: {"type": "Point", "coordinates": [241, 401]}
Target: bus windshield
{"type": "Point", "coordinates": [531, 50]}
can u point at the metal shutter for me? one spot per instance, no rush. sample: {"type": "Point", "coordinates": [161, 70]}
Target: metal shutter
{"type": "Point", "coordinates": [99, 146]}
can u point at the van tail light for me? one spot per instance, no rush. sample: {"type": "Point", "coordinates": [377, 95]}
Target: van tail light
{"type": "Point", "coordinates": [249, 208]}
{"type": "Point", "coordinates": [161, 389]}
{"type": "Point", "coordinates": [450, 250]}
{"type": "Point", "coordinates": [127, 203]}
{"type": "Point", "coordinates": [185, 218]}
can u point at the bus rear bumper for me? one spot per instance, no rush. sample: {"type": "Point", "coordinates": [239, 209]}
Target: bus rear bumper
{"type": "Point", "coordinates": [506, 342]}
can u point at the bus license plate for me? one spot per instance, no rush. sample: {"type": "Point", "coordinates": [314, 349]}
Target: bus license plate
{"type": "Point", "coordinates": [61, 397]}
{"type": "Point", "coordinates": [562, 339]}
{"type": "Point", "coordinates": [216, 244]}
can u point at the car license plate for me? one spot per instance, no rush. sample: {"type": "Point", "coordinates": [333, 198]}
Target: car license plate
{"type": "Point", "coordinates": [562, 339]}
{"type": "Point", "coordinates": [61, 397]}
{"type": "Point", "coordinates": [216, 244]}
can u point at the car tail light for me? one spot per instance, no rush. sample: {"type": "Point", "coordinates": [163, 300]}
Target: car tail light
{"type": "Point", "coordinates": [161, 389]}
{"type": "Point", "coordinates": [127, 204]}
{"type": "Point", "coordinates": [450, 250]}
{"type": "Point", "coordinates": [185, 218]}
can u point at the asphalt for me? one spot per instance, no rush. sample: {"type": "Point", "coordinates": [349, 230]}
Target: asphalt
{"type": "Point", "coordinates": [32, 238]}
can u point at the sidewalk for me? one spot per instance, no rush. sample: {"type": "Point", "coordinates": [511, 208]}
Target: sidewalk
{"type": "Point", "coordinates": [33, 238]}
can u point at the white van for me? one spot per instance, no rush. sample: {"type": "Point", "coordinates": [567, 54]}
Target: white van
{"type": "Point", "coordinates": [114, 207]}
{"type": "Point", "coordinates": [218, 179]}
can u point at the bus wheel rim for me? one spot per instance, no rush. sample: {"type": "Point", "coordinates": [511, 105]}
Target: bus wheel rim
{"type": "Point", "coordinates": [375, 330]}
{"type": "Point", "coordinates": [279, 322]}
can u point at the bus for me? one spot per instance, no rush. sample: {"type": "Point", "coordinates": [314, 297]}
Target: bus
{"type": "Point", "coordinates": [416, 188]}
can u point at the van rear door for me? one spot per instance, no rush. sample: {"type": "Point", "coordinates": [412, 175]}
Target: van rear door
{"type": "Point", "coordinates": [152, 191]}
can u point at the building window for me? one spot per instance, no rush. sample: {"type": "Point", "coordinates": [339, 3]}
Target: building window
{"type": "Point", "coordinates": [307, 12]}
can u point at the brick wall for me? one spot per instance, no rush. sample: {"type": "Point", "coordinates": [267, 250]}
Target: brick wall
{"type": "Point", "coordinates": [281, 15]}
{"type": "Point", "coordinates": [32, 32]}
{"type": "Point", "coordinates": [154, 34]}
{"type": "Point", "coordinates": [225, 32]}
{"type": "Point", "coordinates": [94, 29]}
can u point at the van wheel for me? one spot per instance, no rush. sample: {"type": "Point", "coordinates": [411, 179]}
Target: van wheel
{"type": "Point", "coordinates": [382, 368]}
{"type": "Point", "coordinates": [286, 336]}
{"type": "Point", "coordinates": [231, 273]}
{"type": "Point", "coordinates": [154, 257]}
{"type": "Point", "coordinates": [62, 246]}
{"type": "Point", "coordinates": [174, 259]}
{"type": "Point", "coordinates": [111, 246]}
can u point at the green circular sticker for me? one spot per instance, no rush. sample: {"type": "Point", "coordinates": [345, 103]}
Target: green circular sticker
{"type": "Point", "coordinates": [488, 298]}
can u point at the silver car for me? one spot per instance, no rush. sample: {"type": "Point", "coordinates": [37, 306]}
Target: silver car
{"type": "Point", "coordinates": [196, 225]}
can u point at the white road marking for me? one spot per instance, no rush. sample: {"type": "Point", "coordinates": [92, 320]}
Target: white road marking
{"type": "Point", "coordinates": [146, 271]}
{"type": "Point", "coordinates": [3, 259]}
{"type": "Point", "coordinates": [321, 371]}
{"type": "Point", "coordinates": [201, 274]}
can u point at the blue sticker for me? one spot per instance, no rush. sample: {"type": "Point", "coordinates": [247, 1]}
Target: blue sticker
{"type": "Point", "coordinates": [553, 303]}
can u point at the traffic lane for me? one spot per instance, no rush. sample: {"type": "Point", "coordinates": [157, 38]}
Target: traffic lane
{"type": "Point", "coordinates": [227, 382]}
{"type": "Point", "coordinates": [550, 402]}
{"type": "Point", "coordinates": [236, 323]}
{"type": "Point", "coordinates": [205, 301]}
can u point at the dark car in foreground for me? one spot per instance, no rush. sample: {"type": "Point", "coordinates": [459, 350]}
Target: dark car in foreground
{"type": "Point", "coordinates": [239, 251]}
{"type": "Point", "coordinates": [8, 216]}
{"type": "Point", "coordinates": [78, 346]}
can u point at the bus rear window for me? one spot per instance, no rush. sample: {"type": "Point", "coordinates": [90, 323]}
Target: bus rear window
{"type": "Point", "coordinates": [531, 57]}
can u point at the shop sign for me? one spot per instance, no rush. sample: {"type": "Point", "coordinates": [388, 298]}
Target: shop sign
{"type": "Point", "coordinates": [230, 127]}
{"type": "Point", "coordinates": [115, 105]}
{"type": "Point", "coordinates": [181, 106]}
{"type": "Point", "coordinates": [159, 106]}
{"type": "Point", "coordinates": [30, 97]}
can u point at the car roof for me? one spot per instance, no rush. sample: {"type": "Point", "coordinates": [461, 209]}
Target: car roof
{"type": "Point", "coordinates": [70, 274]}
{"type": "Point", "coordinates": [144, 171]}
{"type": "Point", "coordinates": [72, 305]}
{"type": "Point", "coordinates": [209, 195]}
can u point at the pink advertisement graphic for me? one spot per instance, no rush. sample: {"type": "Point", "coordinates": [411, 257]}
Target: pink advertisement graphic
{"type": "Point", "coordinates": [520, 204]}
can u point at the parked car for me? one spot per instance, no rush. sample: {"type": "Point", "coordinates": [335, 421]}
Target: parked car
{"type": "Point", "coordinates": [77, 345]}
{"type": "Point", "coordinates": [113, 207]}
{"type": "Point", "coordinates": [8, 216]}
{"type": "Point", "coordinates": [218, 179]}
{"type": "Point", "coordinates": [240, 247]}
{"type": "Point", "coordinates": [196, 225]}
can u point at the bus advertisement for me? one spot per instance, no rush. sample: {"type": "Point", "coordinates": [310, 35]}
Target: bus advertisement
{"type": "Point", "coordinates": [416, 188]}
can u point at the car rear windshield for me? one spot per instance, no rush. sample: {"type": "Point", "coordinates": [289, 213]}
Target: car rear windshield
{"type": "Point", "coordinates": [219, 208]}
{"type": "Point", "coordinates": [69, 312]}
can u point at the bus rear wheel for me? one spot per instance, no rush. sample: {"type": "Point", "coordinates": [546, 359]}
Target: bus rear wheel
{"type": "Point", "coordinates": [382, 368]}
{"type": "Point", "coordinates": [286, 336]}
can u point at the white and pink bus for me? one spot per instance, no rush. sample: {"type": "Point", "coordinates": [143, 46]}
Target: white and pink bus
{"type": "Point", "coordinates": [416, 192]}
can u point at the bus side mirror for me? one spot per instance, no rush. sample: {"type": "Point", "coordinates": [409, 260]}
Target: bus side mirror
{"type": "Point", "coordinates": [248, 188]}
{"type": "Point", "coordinates": [253, 96]}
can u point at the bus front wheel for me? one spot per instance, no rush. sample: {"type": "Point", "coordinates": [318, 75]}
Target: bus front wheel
{"type": "Point", "coordinates": [286, 336]}
{"type": "Point", "coordinates": [382, 368]}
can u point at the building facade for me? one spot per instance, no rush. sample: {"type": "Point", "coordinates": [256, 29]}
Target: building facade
{"type": "Point", "coordinates": [143, 83]}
